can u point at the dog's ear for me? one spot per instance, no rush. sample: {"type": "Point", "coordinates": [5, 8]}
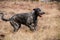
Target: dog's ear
{"type": "Point", "coordinates": [1, 13]}
{"type": "Point", "coordinates": [33, 9]}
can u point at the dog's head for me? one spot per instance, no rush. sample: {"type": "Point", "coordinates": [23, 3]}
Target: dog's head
{"type": "Point", "coordinates": [38, 11]}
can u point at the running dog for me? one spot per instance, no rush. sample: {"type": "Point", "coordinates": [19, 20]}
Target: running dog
{"type": "Point", "coordinates": [24, 18]}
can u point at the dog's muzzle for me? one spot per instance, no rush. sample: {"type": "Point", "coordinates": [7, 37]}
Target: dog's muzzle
{"type": "Point", "coordinates": [41, 13]}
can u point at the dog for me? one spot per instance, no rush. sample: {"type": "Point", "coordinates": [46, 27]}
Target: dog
{"type": "Point", "coordinates": [28, 19]}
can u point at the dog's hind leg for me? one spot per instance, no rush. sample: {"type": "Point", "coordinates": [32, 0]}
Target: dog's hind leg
{"type": "Point", "coordinates": [15, 25]}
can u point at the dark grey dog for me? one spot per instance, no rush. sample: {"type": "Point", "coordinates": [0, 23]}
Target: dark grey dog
{"type": "Point", "coordinates": [28, 19]}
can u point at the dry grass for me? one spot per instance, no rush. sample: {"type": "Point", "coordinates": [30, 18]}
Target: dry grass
{"type": "Point", "coordinates": [48, 25]}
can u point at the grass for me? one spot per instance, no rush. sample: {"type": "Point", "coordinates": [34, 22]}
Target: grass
{"type": "Point", "coordinates": [46, 30]}
{"type": "Point", "coordinates": [58, 36]}
{"type": "Point", "coordinates": [58, 27]}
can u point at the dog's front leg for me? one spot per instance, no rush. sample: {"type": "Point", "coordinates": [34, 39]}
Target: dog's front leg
{"type": "Point", "coordinates": [35, 24]}
{"type": "Point", "coordinates": [31, 27]}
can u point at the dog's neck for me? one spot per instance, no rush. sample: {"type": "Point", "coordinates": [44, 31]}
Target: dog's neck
{"type": "Point", "coordinates": [35, 15]}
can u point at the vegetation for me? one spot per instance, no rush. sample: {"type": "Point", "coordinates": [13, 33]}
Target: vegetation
{"type": "Point", "coordinates": [48, 27]}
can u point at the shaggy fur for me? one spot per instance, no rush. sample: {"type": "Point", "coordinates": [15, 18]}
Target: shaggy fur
{"type": "Point", "coordinates": [28, 19]}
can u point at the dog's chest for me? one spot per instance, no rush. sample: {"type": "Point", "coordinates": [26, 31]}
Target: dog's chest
{"type": "Point", "coordinates": [30, 19]}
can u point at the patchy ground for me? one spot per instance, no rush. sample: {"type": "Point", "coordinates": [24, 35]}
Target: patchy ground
{"type": "Point", "coordinates": [48, 25]}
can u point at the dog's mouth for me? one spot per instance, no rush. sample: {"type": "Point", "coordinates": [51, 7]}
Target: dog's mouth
{"type": "Point", "coordinates": [41, 14]}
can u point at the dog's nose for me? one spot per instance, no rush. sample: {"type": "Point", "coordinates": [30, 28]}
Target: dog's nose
{"type": "Point", "coordinates": [43, 12]}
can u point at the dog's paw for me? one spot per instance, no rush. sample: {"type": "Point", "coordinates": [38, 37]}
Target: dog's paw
{"type": "Point", "coordinates": [32, 30]}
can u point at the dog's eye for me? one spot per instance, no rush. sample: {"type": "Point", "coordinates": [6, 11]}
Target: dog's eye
{"type": "Point", "coordinates": [39, 10]}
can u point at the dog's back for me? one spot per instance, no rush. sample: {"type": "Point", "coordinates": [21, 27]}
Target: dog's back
{"type": "Point", "coordinates": [23, 18]}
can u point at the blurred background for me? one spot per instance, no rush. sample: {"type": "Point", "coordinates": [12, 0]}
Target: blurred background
{"type": "Point", "coordinates": [32, 0]}
{"type": "Point", "coordinates": [48, 27]}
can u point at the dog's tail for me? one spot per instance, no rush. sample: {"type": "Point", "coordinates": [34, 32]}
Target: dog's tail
{"type": "Point", "coordinates": [2, 17]}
